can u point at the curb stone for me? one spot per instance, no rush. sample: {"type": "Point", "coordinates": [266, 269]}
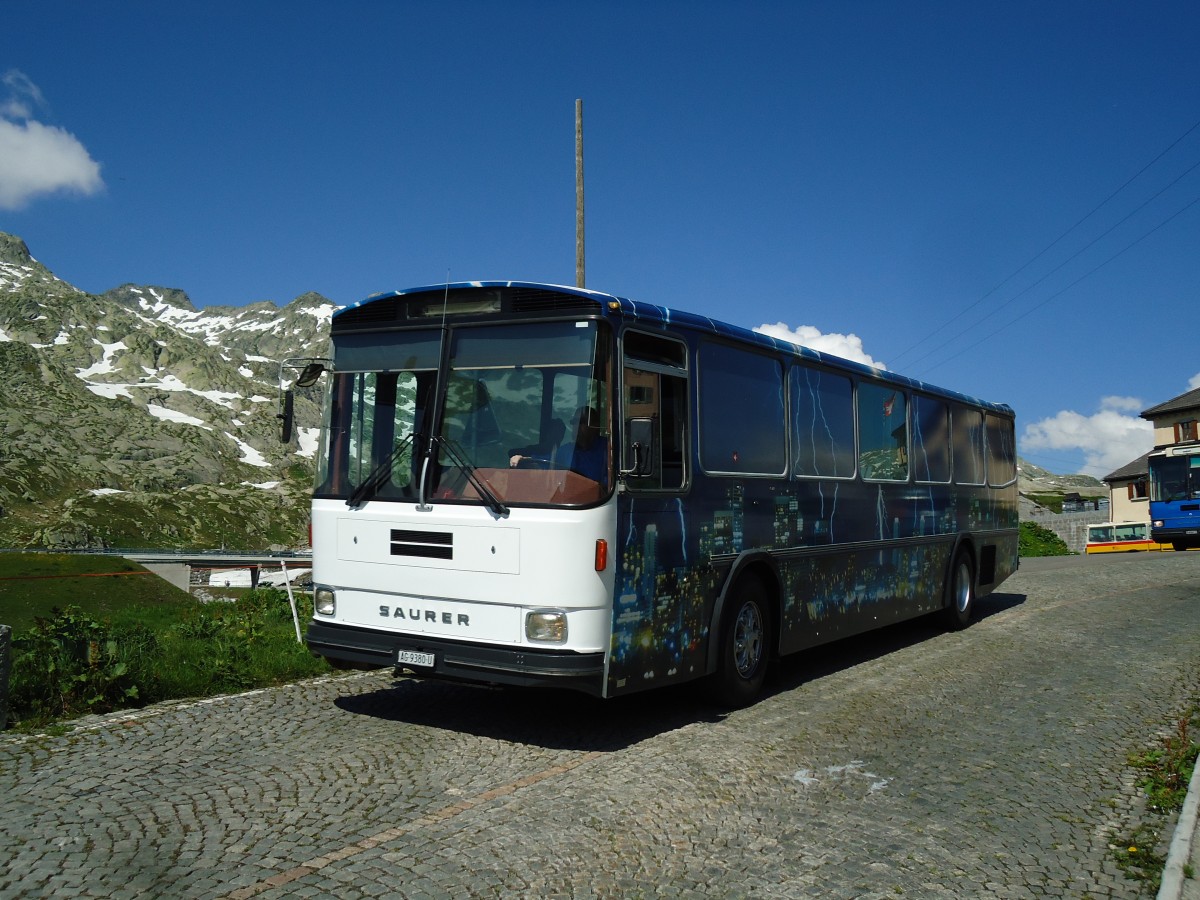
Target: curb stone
{"type": "Point", "coordinates": [1183, 846]}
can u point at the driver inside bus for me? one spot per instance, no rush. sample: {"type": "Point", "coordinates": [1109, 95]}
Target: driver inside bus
{"type": "Point", "coordinates": [587, 455]}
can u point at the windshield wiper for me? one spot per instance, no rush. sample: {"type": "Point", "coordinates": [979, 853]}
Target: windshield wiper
{"type": "Point", "coordinates": [379, 475]}
{"type": "Point", "coordinates": [458, 457]}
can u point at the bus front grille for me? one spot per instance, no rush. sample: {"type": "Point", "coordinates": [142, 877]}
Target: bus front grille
{"type": "Point", "coordinates": [423, 544]}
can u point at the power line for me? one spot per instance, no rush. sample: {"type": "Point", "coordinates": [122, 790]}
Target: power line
{"type": "Point", "coordinates": [1049, 246]}
{"type": "Point", "coordinates": [1069, 259]}
{"type": "Point", "coordinates": [1059, 293]}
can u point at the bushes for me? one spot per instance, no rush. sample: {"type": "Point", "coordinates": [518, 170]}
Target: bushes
{"type": "Point", "coordinates": [1036, 540]}
{"type": "Point", "coordinates": [69, 664]}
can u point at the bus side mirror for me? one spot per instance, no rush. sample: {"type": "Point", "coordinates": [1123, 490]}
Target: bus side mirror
{"type": "Point", "coordinates": [309, 374]}
{"type": "Point", "coordinates": [287, 417]}
{"type": "Point", "coordinates": [639, 447]}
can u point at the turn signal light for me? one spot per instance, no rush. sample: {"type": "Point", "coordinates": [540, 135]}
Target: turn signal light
{"type": "Point", "coordinates": [601, 555]}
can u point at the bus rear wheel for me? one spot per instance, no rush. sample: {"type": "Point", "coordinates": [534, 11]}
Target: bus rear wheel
{"type": "Point", "coordinates": [745, 647]}
{"type": "Point", "coordinates": [960, 591]}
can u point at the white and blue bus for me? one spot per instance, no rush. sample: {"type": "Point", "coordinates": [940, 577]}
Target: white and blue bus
{"type": "Point", "coordinates": [526, 484]}
{"type": "Point", "coordinates": [1175, 496]}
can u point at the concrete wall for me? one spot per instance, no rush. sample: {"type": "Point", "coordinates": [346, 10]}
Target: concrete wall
{"type": "Point", "coordinates": [179, 574]}
{"type": "Point", "coordinates": [1071, 527]}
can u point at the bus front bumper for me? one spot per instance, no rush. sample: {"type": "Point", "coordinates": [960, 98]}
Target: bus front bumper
{"type": "Point", "coordinates": [1185, 538]}
{"type": "Point", "coordinates": [348, 646]}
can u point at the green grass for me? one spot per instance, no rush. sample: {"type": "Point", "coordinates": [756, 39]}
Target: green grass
{"type": "Point", "coordinates": [31, 584]}
{"type": "Point", "coordinates": [1164, 771]}
{"type": "Point", "coordinates": [1051, 501]}
{"type": "Point", "coordinates": [85, 643]}
{"type": "Point", "coordinates": [1167, 767]}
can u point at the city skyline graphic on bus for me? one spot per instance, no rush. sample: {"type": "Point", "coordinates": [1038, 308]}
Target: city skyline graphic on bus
{"type": "Point", "coordinates": [668, 578]}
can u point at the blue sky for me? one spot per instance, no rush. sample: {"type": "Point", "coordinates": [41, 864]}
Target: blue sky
{"type": "Point", "coordinates": [909, 183]}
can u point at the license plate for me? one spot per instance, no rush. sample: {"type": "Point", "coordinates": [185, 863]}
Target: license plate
{"type": "Point", "coordinates": [414, 658]}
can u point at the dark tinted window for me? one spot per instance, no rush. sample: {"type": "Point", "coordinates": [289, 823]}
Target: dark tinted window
{"type": "Point", "coordinates": [931, 439]}
{"type": "Point", "coordinates": [1002, 452]}
{"type": "Point", "coordinates": [742, 426]}
{"type": "Point", "coordinates": [822, 424]}
{"type": "Point", "coordinates": [969, 446]}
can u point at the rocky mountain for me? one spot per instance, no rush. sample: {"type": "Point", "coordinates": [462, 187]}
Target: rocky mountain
{"type": "Point", "coordinates": [131, 418]}
{"type": "Point", "coordinates": [1036, 480]}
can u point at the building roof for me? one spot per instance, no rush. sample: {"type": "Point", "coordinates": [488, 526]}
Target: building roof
{"type": "Point", "coordinates": [1136, 469]}
{"type": "Point", "coordinates": [1190, 400]}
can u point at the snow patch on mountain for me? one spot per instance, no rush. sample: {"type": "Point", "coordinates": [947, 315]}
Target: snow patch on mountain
{"type": "Point", "coordinates": [14, 277]}
{"type": "Point", "coordinates": [323, 313]}
{"type": "Point", "coordinates": [172, 415]}
{"type": "Point", "coordinates": [250, 456]}
{"type": "Point", "coordinates": [104, 366]}
{"type": "Point", "coordinates": [309, 439]}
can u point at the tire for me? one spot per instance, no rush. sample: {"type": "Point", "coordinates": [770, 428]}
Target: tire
{"type": "Point", "coordinates": [1178, 547]}
{"type": "Point", "coordinates": [745, 647]}
{"type": "Point", "coordinates": [960, 591]}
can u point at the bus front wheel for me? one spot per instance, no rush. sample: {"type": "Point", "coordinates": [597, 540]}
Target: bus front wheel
{"type": "Point", "coordinates": [960, 591]}
{"type": "Point", "coordinates": [745, 647]}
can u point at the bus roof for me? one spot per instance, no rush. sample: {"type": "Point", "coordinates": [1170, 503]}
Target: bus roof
{"type": "Point", "coordinates": [662, 316]}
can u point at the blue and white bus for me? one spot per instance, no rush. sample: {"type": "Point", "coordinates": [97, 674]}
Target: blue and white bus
{"type": "Point", "coordinates": [527, 484]}
{"type": "Point", "coordinates": [1175, 496]}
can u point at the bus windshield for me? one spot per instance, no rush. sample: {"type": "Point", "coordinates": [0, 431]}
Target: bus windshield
{"type": "Point", "coordinates": [1174, 478]}
{"type": "Point", "coordinates": [523, 417]}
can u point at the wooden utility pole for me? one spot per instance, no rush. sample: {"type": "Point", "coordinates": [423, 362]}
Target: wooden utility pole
{"type": "Point", "coordinates": [580, 280]}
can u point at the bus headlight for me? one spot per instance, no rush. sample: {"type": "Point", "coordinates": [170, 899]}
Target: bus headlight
{"type": "Point", "coordinates": [546, 626]}
{"type": "Point", "coordinates": [324, 602]}
{"type": "Point", "coordinates": [1157, 523]}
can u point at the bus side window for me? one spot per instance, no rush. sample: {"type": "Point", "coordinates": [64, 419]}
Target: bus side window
{"type": "Point", "coordinates": [1002, 453]}
{"type": "Point", "coordinates": [743, 425]}
{"type": "Point", "coordinates": [822, 410]}
{"type": "Point", "coordinates": [970, 448]}
{"type": "Point", "coordinates": [882, 432]}
{"type": "Point", "coordinates": [931, 439]}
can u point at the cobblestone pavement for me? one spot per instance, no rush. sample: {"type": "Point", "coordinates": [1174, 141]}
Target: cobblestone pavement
{"type": "Point", "coordinates": [983, 763]}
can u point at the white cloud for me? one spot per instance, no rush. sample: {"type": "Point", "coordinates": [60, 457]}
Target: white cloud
{"type": "Point", "coordinates": [847, 346]}
{"type": "Point", "coordinates": [1109, 438]}
{"type": "Point", "coordinates": [1126, 404]}
{"type": "Point", "coordinates": [37, 159]}
{"type": "Point", "coordinates": [1195, 382]}
{"type": "Point", "coordinates": [21, 94]}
